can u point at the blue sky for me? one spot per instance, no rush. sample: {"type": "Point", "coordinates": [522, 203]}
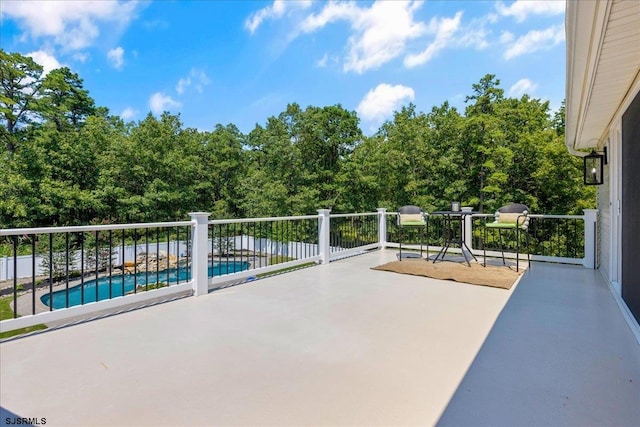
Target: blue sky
{"type": "Point", "coordinates": [241, 62]}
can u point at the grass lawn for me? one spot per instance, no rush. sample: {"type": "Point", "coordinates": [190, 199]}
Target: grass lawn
{"type": "Point", "coordinates": [7, 313]}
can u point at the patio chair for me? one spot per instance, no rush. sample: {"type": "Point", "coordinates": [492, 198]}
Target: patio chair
{"type": "Point", "coordinates": [515, 217]}
{"type": "Point", "coordinates": [412, 217]}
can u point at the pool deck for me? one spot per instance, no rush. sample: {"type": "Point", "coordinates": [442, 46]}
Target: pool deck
{"type": "Point", "coordinates": [341, 344]}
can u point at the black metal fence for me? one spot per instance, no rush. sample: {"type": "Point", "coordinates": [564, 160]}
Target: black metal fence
{"type": "Point", "coordinates": [349, 231]}
{"type": "Point", "coordinates": [560, 236]}
{"type": "Point", "coordinates": [249, 244]}
{"type": "Point", "coordinates": [73, 266]}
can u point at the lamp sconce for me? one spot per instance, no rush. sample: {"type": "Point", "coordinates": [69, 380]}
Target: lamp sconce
{"type": "Point", "coordinates": [594, 167]}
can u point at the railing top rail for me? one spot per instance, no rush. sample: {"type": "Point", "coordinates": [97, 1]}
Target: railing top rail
{"type": "Point", "coordinates": [276, 218]}
{"type": "Point", "coordinates": [85, 228]}
{"type": "Point", "coordinates": [542, 216]}
{"type": "Point", "coordinates": [557, 216]}
{"type": "Point", "coordinates": [350, 215]}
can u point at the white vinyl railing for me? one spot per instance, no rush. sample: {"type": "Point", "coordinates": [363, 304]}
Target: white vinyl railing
{"type": "Point", "coordinates": [261, 245]}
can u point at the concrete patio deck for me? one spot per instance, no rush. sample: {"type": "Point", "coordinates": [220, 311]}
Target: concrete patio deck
{"type": "Point", "coordinates": [341, 344]}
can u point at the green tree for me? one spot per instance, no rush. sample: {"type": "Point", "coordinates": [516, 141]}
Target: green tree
{"type": "Point", "coordinates": [20, 84]}
{"type": "Point", "coordinates": [484, 147]}
{"type": "Point", "coordinates": [63, 99]}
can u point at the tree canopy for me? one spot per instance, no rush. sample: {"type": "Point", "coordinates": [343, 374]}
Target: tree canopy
{"type": "Point", "coordinates": [67, 161]}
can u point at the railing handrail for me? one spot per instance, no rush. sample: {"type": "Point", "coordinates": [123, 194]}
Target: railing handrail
{"type": "Point", "coordinates": [275, 218]}
{"type": "Point", "coordinates": [549, 216]}
{"type": "Point", "coordinates": [349, 215]}
{"type": "Point", "coordinates": [81, 228]}
{"type": "Point", "coordinates": [543, 216]}
{"type": "Point", "coordinates": [85, 228]}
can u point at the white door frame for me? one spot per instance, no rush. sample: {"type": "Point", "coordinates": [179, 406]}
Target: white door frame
{"type": "Point", "coordinates": [615, 204]}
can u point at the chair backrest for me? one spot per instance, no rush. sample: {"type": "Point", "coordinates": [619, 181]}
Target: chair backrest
{"type": "Point", "coordinates": [410, 215]}
{"type": "Point", "coordinates": [514, 213]}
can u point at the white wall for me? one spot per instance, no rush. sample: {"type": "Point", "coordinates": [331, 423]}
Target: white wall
{"type": "Point", "coordinates": [609, 197]}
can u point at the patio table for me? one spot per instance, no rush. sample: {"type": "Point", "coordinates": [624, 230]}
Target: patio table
{"type": "Point", "coordinates": [454, 220]}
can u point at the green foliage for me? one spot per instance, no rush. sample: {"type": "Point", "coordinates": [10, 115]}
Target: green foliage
{"type": "Point", "coordinates": [68, 162]}
{"type": "Point", "coordinates": [20, 85]}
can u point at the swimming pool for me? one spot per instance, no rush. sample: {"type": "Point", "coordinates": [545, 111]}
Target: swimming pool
{"type": "Point", "coordinates": [122, 284]}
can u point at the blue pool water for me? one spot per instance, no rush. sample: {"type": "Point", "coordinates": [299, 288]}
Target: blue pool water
{"type": "Point", "coordinates": [121, 284]}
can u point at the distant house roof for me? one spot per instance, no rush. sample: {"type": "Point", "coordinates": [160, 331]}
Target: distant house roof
{"type": "Point", "coordinates": [603, 66]}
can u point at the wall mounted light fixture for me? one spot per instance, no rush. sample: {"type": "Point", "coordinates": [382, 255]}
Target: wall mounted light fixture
{"type": "Point", "coordinates": [594, 167]}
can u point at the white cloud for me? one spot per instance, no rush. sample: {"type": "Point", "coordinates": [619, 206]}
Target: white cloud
{"type": "Point", "coordinates": [182, 84]}
{"type": "Point", "coordinates": [322, 62]}
{"type": "Point", "coordinates": [381, 102]}
{"type": "Point", "coordinates": [506, 37]}
{"type": "Point", "coordinates": [521, 9]}
{"type": "Point", "coordinates": [536, 40]}
{"type": "Point", "coordinates": [475, 34]}
{"type": "Point", "coordinates": [381, 35]}
{"type": "Point", "coordinates": [160, 103]}
{"type": "Point", "coordinates": [80, 56]}
{"type": "Point", "coordinates": [129, 113]}
{"type": "Point", "coordinates": [197, 77]}
{"type": "Point", "coordinates": [330, 13]}
{"type": "Point", "coordinates": [116, 57]}
{"type": "Point", "coordinates": [73, 25]}
{"type": "Point", "coordinates": [444, 29]}
{"type": "Point", "coordinates": [277, 9]}
{"type": "Point", "coordinates": [381, 32]}
{"type": "Point", "coordinates": [521, 87]}
{"type": "Point", "coordinates": [48, 61]}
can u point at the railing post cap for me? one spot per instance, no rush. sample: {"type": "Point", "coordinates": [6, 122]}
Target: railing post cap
{"type": "Point", "coordinates": [382, 209]}
{"type": "Point", "coordinates": [591, 214]}
{"type": "Point", "coordinates": [199, 216]}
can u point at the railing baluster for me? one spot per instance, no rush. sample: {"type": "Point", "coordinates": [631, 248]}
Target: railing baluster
{"type": "Point", "coordinates": [211, 231]}
{"type": "Point", "coordinates": [158, 256]}
{"type": "Point", "coordinates": [188, 251]}
{"type": "Point", "coordinates": [178, 254]}
{"type": "Point", "coordinates": [122, 258]}
{"type": "Point", "coordinates": [97, 265]}
{"type": "Point", "coordinates": [111, 264]}
{"type": "Point", "coordinates": [82, 268]}
{"type": "Point", "coordinates": [33, 269]}
{"type": "Point", "coordinates": [135, 260]}
{"type": "Point", "coordinates": [66, 305]}
{"type": "Point", "coordinates": [168, 231]}
{"type": "Point", "coordinates": [15, 277]}
{"type": "Point", "coordinates": [146, 259]}
{"type": "Point", "coordinates": [241, 248]}
{"type": "Point", "coordinates": [50, 271]}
